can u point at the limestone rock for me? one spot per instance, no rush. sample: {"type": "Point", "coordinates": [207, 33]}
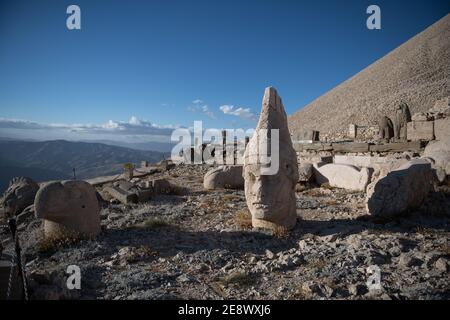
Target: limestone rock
{"type": "Point", "coordinates": [442, 129]}
{"type": "Point", "coordinates": [420, 130]}
{"type": "Point", "coordinates": [342, 176]}
{"type": "Point", "coordinates": [122, 195]}
{"type": "Point", "coordinates": [19, 195]}
{"type": "Point", "coordinates": [306, 135]}
{"type": "Point", "coordinates": [227, 177]}
{"type": "Point", "coordinates": [439, 151]}
{"type": "Point", "coordinates": [270, 189]}
{"type": "Point", "coordinates": [400, 190]}
{"type": "Point", "coordinates": [68, 207]}
{"type": "Point", "coordinates": [305, 172]}
{"type": "Point", "coordinates": [161, 186]}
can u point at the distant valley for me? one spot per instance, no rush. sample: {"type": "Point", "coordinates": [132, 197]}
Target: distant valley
{"type": "Point", "coordinates": [51, 160]}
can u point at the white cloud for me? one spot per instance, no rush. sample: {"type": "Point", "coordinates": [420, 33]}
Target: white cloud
{"type": "Point", "coordinates": [134, 127]}
{"type": "Point", "coordinates": [199, 106]}
{"type": "Point", "coordinates": [208, 112]}
{"type": "Point", "coordinates": [240, 112]}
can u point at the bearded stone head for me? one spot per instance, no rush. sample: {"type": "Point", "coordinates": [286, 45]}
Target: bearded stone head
{"type": "Point", "coordinates": [270, 185]}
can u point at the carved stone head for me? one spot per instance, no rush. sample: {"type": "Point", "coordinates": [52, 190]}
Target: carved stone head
{"type": "Point", "coordinates": [270, 185]}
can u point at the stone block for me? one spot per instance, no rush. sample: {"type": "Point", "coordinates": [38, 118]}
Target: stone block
{"type": "Point", "coordinates": [442, 129]}
{"type": "Point", "coordinates": [420, 130]}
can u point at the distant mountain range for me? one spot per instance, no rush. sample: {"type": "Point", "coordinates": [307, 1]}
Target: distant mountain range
{"type": "Point", "coordinates": [54, 160]}
{"type": "Point", "coordinates": [145, 146]}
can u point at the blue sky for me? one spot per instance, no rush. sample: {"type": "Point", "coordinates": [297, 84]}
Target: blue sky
{"type": "Point", "coordinates": [168, 63]}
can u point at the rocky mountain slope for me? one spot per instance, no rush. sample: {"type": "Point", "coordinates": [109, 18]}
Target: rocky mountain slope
{"type": "Point", "coordinates": [417, 72]}
{"type": "Point", "coordinates": [50, 160]}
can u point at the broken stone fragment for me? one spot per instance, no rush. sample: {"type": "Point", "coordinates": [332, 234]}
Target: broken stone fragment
{"type": "Point", "coordinates": [68, 207]}
{"type": "Point", "coordinates": [270, 195]}
{"type": "Point", "coordinates": [402, 189]}
{"type": "Point", "coordinates": [305, 172]}
{"type": "Point", "coordinates": [161, 186]}
{"type": "Point", "coordinates": [224, 177]}
{"type": "Point", "coordinates": [342, 176]}
{"type": "Point", "coordinates": [122, 195]}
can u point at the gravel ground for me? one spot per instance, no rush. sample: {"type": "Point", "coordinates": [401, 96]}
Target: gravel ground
{"type": "Point", "coordinates": [199, 245]}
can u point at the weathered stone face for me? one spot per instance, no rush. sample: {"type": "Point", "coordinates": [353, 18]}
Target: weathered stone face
{"type": "Point", "coordinates": [68, 207]}
{"type": "Point", "coordinates": [271, 198]}
{"type": "Point", "coordinates": [19, 195]}
{"type": "Point", "coordinates": [400, 190]}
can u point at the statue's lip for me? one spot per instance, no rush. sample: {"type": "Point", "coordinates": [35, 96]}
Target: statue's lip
{"type": "Point", "coordinates": [260, 205]}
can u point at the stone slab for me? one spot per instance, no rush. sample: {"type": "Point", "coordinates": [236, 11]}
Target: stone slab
{"type": "Point", "coordinates": [396, 147]}
{"type": "Point", "coordinates": [350, 147]}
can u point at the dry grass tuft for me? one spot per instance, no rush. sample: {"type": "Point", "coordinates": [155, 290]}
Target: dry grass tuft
{"type": "Point", "coordinates": [281, 232]}
{"type": "Point", "coordinates": [230, 198]}
{"type": "Point", "coordinates": [316, 192]}
{"type": "Point", "coordinates": [243, 219]}
{"type": "Point", "coordinates": [241, 279]}
{"type": "Point", "coordinates": [316, 264]}
{"type": "Point", "coordinates": [153, 223]}
{"type": "Point", "coordinates": [425, 231]}
{"type": "Point", "coordinates": [326, 185]}
{"type": "Point", "coordinates": [49, 244]}
{"type": "Point", "coordinates": [301, 294]}
{"type": "Point", "coordinates": [445, 249]}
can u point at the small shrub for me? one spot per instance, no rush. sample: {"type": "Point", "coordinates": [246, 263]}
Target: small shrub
{"type": "Point", "coordinates": [326, 185]}
{"type": "Point", "coordinates": [316, 264]}
{"type": "Point", "coordinates": [230, 198]}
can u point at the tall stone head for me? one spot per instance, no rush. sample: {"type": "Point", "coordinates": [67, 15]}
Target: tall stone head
{"type": "Point", "coordinates": [270, 168]}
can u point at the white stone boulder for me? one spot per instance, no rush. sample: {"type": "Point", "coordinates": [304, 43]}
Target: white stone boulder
{"type": "Point", "coordinates": [342, 176]}
{"type": "Point", "coordinates": [68, 207]}
{"type": "Point", "coordinates": [439, 151]}
{"type": "Point", "coordinates": [400, 190]}
{"type": "Point", "coordinates": [224, 177]}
